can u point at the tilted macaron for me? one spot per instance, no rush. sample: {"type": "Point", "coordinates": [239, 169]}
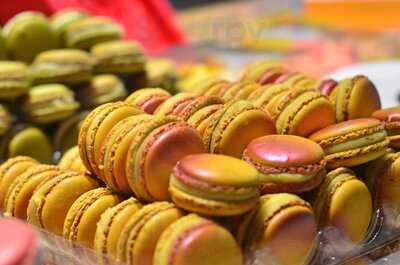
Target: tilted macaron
{"type": "Point", "coordinates": [10, 170]}
{"type": "Point", "coordinates": [25, 34]}
{"type": "Point", "coordinates": [239, 90]}
{"type": "Point", "coordinates": [138, 239]}
{"type": "Point", "coordinates": [6, 119]}
{"type": "Point", "coordinates": [95, 128]}
{"type": "Point", "coordinates": [194, 240]}
{"type": "Point", "coordinates": [148, 99]}
{"type": "Point", "coordinates": [66, 66]}
{"type": "Point", "coordinates": [118, 57]}
{"type": "Point", "coordinates": [61, 20]}
{"type": "Point", "coordinates": [201, 118]}
{"type": "Point", "coordinates": [254, 71]}
{"type": "Point", "coordinates": [49, 103]}
{"type": "Point", "coordinates": [352, 142]}
{"type": "Point", "coordinates": [111, 224]}
{"type": "Point", "coordinates": [26, 140]}
{"type": "Point", "coordinates": [3, 50]}
{"type": "Point", "coordinates": [209, 87]}
{"type": "Point", "coordinates": [327, 86]}
{"type": "Point", "coordinates": [154, 151]}
{"type": "Point", "coordinates": [299, 80]}
{"type": "Point", "coordinates": [173, 105]}
{"type": "Point", "coordinates": [102, 89]}
{"type": "Point", "coordinates": [354, 98]}
{"type": "Point", "coordinates": [271, 75]}
{"type": "Point", "coordinates": [282, 225]}
{"type": "Point", "coordinates": [82, 218]}
{"type": "Point", "coordinates": [13, 79]}
{"type": "Point", "coordinates": [214, 185]}
{"type": "Point", "coordinates": [87, 32]}
{"type": "Point", "coordinates": [21, 190]}
{"type": "Point", "coordinates": [340, 200]}
{"type": "Point", "coordinates": [263, 96]}
{"type": "Point", "coordinates": [162, 72]}
{"type": "Point", "coordinates": [302, 111]}
{"type": "Point", "coordinates": [195, 105]}
{"type": "Point", "coordinates": [53, 198]}
{"type": "Point", "coordinates": [286, 163]}
{"type": "Point", "coordinates": [390, 118]}
{"type": "Point", "coordinates": [233, 127]}
{"type": "Point", "coordinates": [71, 160]}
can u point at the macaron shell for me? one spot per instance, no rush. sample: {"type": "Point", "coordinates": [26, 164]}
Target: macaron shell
{"type": "Point", "coordinates": [351, 201]}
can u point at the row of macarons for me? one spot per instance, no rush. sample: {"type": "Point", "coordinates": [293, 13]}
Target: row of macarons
{"type": "Point", "coordinates": [29, 33]}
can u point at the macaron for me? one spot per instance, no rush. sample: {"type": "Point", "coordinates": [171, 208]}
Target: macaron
{"type": "Point", "coordinates": [6, 119]}
{"type": "Point", "coordinates": [21, 190]}
{"type": "Point", "coordinates": [353, 142]}
{"type": "Point", "coordinates": [138, 239]}
{"type": "Point", "coordinates": [153, 152]}
{"type": "Point", "coordinates": [26, 140]}
{"type": "Point", "coordinates": [390, 118]}
{"type": "Point", "coordinates": [194, 240]}
{"type": "Point", "coordinates": [111, 224]}
{"type": "Point", "coordinates": [10, 170]}
{"type": "Point", "coordinates": [24, 34]}
{"type": "Point", "coordinates": [148, 99]}
{"type": "Point", "coordinates": [233, 127]}
{"type": "Point", "coordinates": [19, 243]}
{"type": "Point", "coordinates": [62, 19]}
{"type": "Point", "coordinates": [113, 154]}
{"type": "Point", "coordinates": [82, 218]}
{"type": "Point", "coordinates": [327, 86]}
{"type": "Point", "coordinates": [281, 223]}
{"type": "Point", "coordinates": [286, 163]}
{"type": "Point", "coordinates": [239, 90]}
{"type": "Point", "coordinates": [3, 50]}
{"type": "Point", "coordinates": [162, 72]}
{"type": "Point", "coordinates": [210, 87]}
{"type": "Point", "coordinates": [341, 199]}
{"type": "Point", "coordinates": [66, 66]}
{"type": "Point", "coordinates": [13, 79]}
{"type": "Point", "coordinates": [201, 118]}
{"type": "Point", "coordinates": [49, 103]}
{"type": "Point", "coordinates": [302, 111]}
{"type": "Point", "coordinates": [255, 71]}
{"type": "Point", "coordinates": [299, 80]}
{"type": "Point", "coordinates": [354, 98]}
{"type": "Point", "coordinates": [264, 96]}
{"type": "Point", "coordinates": [95, 128]}
{"type": "Point", "coordinates": [173, 105]}
{"type": "Point", "coordinates": [215, 185]}
{"type": "Point", "coordinates": [118, 57]}
{"type": "Point", "coordinates": [71, 160]}
{"type": "Point", "coordinates": [102, 89]}
{"type": "Point", "coordinates": [89, 31]}
{"type": "Point", "coordinates": [197, 104]}
{"type": "Point", "coordinates": [53, 198]}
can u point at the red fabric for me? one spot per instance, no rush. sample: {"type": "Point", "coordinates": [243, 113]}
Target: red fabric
{"type": "Point", "coordinates": [151, 22]}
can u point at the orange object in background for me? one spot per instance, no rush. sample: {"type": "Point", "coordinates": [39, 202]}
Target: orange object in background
{"type": "Point", "coordinates": [359, 15]}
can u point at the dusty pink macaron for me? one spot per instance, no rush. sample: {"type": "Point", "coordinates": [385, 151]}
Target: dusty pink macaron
{"type": "Point", "coordinates": [286, 163]}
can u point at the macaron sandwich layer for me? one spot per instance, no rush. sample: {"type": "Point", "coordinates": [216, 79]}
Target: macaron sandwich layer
{"type": "Point", "coordinates": [390, 118]}
{"type": "Point", "coordinates": [148, 99]}
{"type": "Point", "coordinates": [14, 80]}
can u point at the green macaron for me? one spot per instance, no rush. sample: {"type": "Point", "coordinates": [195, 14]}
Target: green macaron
{"type": "Point", "coordinates": [13, 79]}
{"type": "Point", "coordinates": [3, 51]}
{"type": "Point", "coordinates": [6, 119]}
{"type": "Point", "coordinates": [62, 19]}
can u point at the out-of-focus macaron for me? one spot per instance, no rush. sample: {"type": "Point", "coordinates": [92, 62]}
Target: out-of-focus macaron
{"type": "Point", "coordinates": [62, 19]}
{"type": "Point", "coordinates": [138, 239]}
{"type": "Point", "coordinates": [214, 185]}
{"type": "Point", "coordinates": [26, 140]}
{"type": "Point", "coordinates": [355, 98]}
{"type": "Point", "coordinates": [157, 146]}
{"type": "Point", "coordinates": [352, 142]}
{"type": "Point", "coordinates": [53, 198]}
{"type": "Point", "coordinates": [111, 224]}
{"type": "Point", "coordinates": [264, 96]}
{"type": "Point", "coordinates": [327, 86]}
{"type": "Point", "coordinates": [66, 66]}
{"type": "Point", "coordinates": [10, 170]}
{"type": "Point", "coordinates": [286, 163]}
{"type": "Point", "coordinates": [390, 118]}
{"type": "Point", "coordinates": [95, 128]}
{"type": "Point", "coordinates": [174, 104]}
{"type": "Point", "coordinates": [21, 190]}
{"type": "Point", "coordinates": [148, 99]}
{"type": "Point", "coordinates": [87, 32]}
{"type": "Point", "coordinates": [102, 89]}
{"type": "Point", "coordinates": [254, 71]}
{"type": "Point", "coordinates": [280, 224]}
{"type": "Point", "coordinates": [239, 90]}
{"type": "Point", "coordinates": [196, 240]}
{"type": "Point", "coordinates": [3, 50]}
{"type": "Point", "coordinates": [13, 79]}
{"type": "Point", "coordinates": [6, 119]}
{"type": "Point", "coordinates": [162, 72]}
{"type": "Point", "coordinates": [71, 160]}
{"type": "Point", "coordinates": [341, 199]}
{"type": "Point", "coordinates": [84, 214]}
{"type": "Point", "coordinates": [212, 86]}
{"type": "Point", "coordinates": [118, 57]}
{"type": "Point", "coordinates": [197, 104]}
{"type": "Point", "coordinates": [49, 103]}
{"type": "Point", "coordinates": [27, 34]}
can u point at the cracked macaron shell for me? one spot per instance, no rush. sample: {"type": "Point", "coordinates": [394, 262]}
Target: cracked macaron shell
{"type": "Point", "coordinates": [341, 199]}
{"type": "Point", "coordinates": [355, 98]}
{"type": "Point", "coordinates": [140, 234]}
{"type": "Point", "coordinates": [148, 99]}
{"type": "Point", "coordinates": [390, 118]}
{"type": "Point", "coordinates": [274, 225]}
{"type": "Point", "coordinates": [52, 199]}
{"type": "Point", "coordinates": [111, 224]}
{"type": "Point", "coordinates": [196, 240]}
{"type": "Point", "coordinates": [14, 80]}
{"type": "Point", "coordinates": [10, 170]}
{"type": "Point", "coordinates": [82, 218]}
